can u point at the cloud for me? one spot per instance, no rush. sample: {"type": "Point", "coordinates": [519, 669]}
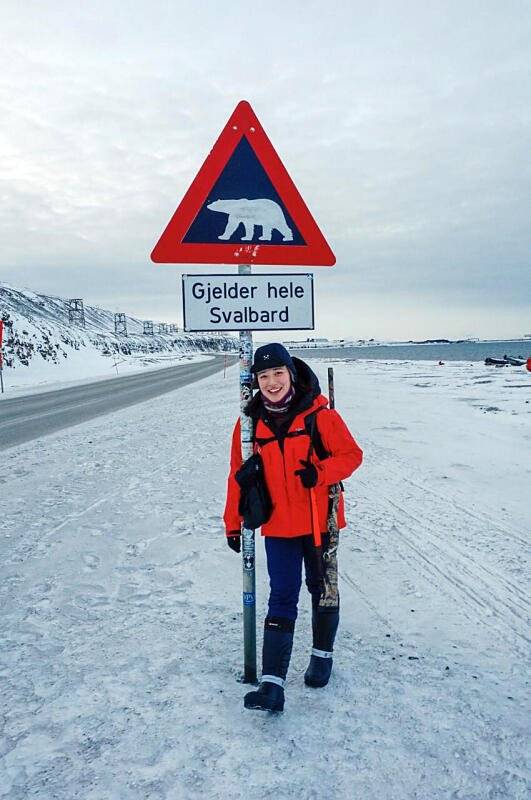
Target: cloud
{"type": "Point", "coordinates": [405, 126]}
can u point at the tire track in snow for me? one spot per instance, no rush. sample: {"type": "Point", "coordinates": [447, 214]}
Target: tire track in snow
{"type": "Point", "coordinates": [474, 535]}
{"type": "Point", "coordinates": [483, 596]}
{"type": "Point", "coordinates": [490, 617]}
{"type": "Point", "coordinates": [512, 532]}
{"type": "Point", "coordinates": [395, 467]}
{"type": "Point", "coordinates": [421, 564]}
{"type": "Point", "coordinates": [481, 573]}
{"type": "Point", "coordinates": [444, 510]}
{"type": "Point", "coordinates": [345, 577]}
{"type": "Point", "coordinates": [76, 515]}
{"type": "Point", "coordinates": [464, 562]}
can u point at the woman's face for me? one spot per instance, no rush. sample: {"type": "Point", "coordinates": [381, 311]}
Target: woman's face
{"type": "Point", "coordinates": [274, 383]}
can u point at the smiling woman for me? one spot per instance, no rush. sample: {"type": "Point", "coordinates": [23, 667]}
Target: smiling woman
{"type": "Point", "coordinates": [306, 451]}
{"type": "Point", "coordinates": [275, 383]}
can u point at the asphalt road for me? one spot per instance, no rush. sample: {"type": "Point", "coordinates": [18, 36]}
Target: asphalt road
{"type": "Point", "coordinates": [25, 418]}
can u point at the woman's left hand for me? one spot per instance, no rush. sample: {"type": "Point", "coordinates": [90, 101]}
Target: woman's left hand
{"type": "Point", "coordinates": [308, 475]}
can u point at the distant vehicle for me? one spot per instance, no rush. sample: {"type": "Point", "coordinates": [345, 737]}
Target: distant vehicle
{"type": "Point", "coordinates": [504, 362]}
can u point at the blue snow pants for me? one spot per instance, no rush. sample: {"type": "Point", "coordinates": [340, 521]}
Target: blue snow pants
{"type": "Point", "coordinates": [284, 565]}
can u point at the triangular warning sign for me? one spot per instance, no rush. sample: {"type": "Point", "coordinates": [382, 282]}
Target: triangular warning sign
{"type": "Point", "coordinates": [243, 207]}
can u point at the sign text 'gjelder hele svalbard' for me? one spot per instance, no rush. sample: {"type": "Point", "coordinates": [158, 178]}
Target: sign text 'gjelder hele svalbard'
{"type": "Point", "coordinates": [240, 302]}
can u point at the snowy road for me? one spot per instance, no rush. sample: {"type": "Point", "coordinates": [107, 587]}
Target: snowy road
{"type": "Point", "coordinates": [121, 615]}
{"type": "Point", "coordinates": [25, 418]}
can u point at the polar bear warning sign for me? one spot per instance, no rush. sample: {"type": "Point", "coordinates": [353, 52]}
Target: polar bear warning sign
{"type": "Point", "coordinates": [243, 207]}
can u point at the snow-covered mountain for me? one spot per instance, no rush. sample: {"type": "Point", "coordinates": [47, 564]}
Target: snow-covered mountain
{"type": "Point", "coordinates": [41, 344]}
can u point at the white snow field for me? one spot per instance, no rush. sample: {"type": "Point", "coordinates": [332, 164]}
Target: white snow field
{"type": "Point", "coordinates": [121, 632]}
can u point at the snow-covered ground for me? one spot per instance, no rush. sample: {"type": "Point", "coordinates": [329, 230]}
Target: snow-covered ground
{"type": "Point", "coordinates": [121, 642]}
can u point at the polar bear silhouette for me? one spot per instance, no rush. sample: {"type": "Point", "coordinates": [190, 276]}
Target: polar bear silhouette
{"type": "Point", "coordinates": [262, 212]}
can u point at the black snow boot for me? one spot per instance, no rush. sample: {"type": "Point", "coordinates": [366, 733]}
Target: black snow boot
{"type": "Point", "coordinates": [276, 654]}
{"type": "Point", "coordinates": [324, 625]}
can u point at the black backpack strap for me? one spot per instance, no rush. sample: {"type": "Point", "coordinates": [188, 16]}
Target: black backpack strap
{"type": "Point", "coordinates": [310, 429]}
{"type": "Point", "coordinates": [316, 441]}
{"type": "Point", "coordinates": [260, 442]}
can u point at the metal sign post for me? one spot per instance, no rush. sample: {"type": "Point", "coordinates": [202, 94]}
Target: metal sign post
{"type": "Point", "coordinates": [248, 550]}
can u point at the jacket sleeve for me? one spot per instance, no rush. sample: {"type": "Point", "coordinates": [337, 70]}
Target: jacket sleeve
{"type": "Point", "coordinates": [345, 454]}
{"type": "Point", "coordinates": [231, 517]}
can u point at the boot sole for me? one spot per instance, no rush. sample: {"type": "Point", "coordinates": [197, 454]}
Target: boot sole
{"type": "Point", "coordinates": [253, 707]}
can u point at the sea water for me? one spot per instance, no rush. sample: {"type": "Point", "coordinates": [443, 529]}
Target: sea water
{"type": "Point", "coordinates": [451, 351]}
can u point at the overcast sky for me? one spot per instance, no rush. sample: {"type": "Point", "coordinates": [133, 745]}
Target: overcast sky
{"type": "Point", "coordinates": [405, 126]}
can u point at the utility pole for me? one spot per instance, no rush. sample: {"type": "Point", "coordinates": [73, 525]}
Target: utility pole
{"type": "Point", "coordinates": [120, 324]}
{"type": "Point", "coordinates": [76, 312]}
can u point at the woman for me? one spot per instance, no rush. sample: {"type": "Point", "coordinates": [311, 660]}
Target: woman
{"type": "Point", "coordinates": [306, 450]}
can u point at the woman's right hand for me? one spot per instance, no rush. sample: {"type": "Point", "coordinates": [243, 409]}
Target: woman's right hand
{"type": "Point", "coordinates": [234, 540]}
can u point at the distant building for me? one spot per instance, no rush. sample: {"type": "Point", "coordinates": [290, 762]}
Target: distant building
{"type": "Point", "coordinates": [309, 342]}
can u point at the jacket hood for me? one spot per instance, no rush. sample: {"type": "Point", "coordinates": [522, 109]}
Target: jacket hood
{"type": "Point", "coordinates": [307, 389]}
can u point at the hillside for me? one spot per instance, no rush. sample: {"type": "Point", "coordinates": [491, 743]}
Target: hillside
{"type": "Point", "coordinates": [41, 345]}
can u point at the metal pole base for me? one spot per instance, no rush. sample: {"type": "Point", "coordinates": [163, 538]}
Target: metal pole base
{"type": "Point", "coordinates": [250, 676]}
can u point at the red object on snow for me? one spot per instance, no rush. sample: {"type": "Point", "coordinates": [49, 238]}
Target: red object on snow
{"type": "Point", "coordinates": [528, 364]}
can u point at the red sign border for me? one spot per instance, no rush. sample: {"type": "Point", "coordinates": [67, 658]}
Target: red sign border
{"type": "Point", "coordinates": [170, 249]}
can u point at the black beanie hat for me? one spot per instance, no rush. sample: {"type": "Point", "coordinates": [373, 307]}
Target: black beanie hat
{"type": "Point", "coordinates": [272, 355]}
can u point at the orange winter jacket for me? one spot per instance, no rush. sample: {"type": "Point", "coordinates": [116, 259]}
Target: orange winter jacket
{"type": "Point", "coordinates": [291, 501]}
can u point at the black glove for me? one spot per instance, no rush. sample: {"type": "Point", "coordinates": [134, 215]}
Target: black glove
{"type": "Point", "coordinates": [234, 541]}
{"type": "Point", "coordinates": [308, 475]}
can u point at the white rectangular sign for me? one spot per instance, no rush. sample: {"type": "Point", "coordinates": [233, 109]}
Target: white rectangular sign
{"type": "Point", "coordinates": [248, 302]}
